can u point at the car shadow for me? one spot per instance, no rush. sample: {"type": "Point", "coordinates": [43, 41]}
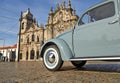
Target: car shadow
{"type": "Point", "coordinates": [102, 67]}
{"type": "Point", "coordinates": [95, 67]}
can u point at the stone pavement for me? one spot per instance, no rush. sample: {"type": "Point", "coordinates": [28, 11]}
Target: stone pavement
{"type": "Point", "coordinates": [35, 72]}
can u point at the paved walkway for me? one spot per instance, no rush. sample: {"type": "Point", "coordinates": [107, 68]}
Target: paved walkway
{"type": "Point", "coordinates": [35, 72]}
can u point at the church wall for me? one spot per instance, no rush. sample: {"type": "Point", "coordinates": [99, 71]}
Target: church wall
{"type": "Point", "coordinates": [59, 21]}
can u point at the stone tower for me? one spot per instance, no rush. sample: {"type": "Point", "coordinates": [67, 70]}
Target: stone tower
{"type": "Point", "coordinates": [31, 37]}
{"type": "Point", "coordinates": [60, 20]}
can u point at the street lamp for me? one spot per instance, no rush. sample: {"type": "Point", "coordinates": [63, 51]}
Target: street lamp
{"type": "Point", "coordinates": [19, 38]}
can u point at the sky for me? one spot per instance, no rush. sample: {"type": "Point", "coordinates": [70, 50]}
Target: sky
{"type": "Point", "coordinates": [10, 11]}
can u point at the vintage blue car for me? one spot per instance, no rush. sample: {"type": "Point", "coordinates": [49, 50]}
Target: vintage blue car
{"type": "Point", "coordinates": [96, 36]}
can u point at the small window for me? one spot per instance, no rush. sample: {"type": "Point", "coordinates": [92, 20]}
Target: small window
{"type": "Point", "coordinates": [98, 13]}
{"type": "Point", "coordinates": [21, 39]}
{"type": "Point", "coordinates": [37, 54]}
{"type": "Point", "coordinates": [33, 37]}
{"type": "Point", "coordinates": [32, 53]}
{"type": "Point", "coordinates": [27, 55]}
{"type": "Point", "coordinates": [20, 56]}
{"type": "Point", "coordinates": [38, 39]}
{"type": "Point", "coordinates": [22, 25]}
{"type": "Point", "coordinates": [27, 40]}
{"type": "Point", "coordinates": [28, 24]}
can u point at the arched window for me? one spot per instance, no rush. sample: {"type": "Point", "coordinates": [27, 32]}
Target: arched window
{"type": "Point", "coordinates": [32, 37]}
{"type": "Point", "coordinates": [27, 40]}
{"type": "Point", "coordinates": [37, 54]}
{"type": "Point", "coordinates": [22, 25]}
{"type": "Point", "coordinates": [26, 55]}
{"type": "Point", "coordinates": [20, 57]}
{"type": "Point", "coordinates": [32, 53]}
{"type": "Point", "coordinates": [37, 39]}
{"type": "Point", "coordinates": [21, 39]}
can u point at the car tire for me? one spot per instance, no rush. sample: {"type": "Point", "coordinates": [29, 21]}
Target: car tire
{"type": "Point", "coordinates": [52, 59]}
{"type": "Point", "coordinates": [78, 64]}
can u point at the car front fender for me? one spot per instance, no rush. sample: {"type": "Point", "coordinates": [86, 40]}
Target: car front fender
{"type": "Point", "coordinates": [64, 49]}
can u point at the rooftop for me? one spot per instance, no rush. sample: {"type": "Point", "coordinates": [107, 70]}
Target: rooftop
{"type": "Point", "coordinates": [8, 47]}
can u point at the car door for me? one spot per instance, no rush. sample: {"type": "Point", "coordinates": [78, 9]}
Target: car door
{"type": "Point", "coordinates": [97, 34]}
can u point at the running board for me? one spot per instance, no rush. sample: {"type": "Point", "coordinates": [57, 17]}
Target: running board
{"type": "Point", "coordinates": [95, 59]}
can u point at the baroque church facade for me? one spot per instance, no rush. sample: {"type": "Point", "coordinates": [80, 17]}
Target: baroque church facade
{"type": "Point", "coordinates": [62, 19]}
{"type": "Point", "coordinates": [32, 36]}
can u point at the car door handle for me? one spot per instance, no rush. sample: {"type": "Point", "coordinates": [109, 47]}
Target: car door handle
{"type": "Point", "coordinates": [114, 21]}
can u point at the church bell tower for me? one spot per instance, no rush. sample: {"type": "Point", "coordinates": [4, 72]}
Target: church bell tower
{"type": "Point", "coordinates": [26, 20]}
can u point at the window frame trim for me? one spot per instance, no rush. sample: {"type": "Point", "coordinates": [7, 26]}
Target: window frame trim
{"type": "Point", "coordinates": [78, 23]}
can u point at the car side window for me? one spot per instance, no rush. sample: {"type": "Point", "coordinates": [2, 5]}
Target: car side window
{"type": "Point", "coordinates": [98, 13]}
{"type": "Point", "coordinates": [85, 19]}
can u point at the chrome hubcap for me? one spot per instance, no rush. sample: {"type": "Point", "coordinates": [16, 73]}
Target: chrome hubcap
{"type": "Point", "coordinates": [51, 58]}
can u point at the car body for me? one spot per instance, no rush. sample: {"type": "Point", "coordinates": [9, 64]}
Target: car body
{"type": "Point", "coordinates": [96, 36]}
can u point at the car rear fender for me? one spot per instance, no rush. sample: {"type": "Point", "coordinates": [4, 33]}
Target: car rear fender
{"type": "Point", "coordinates": [64, 49]}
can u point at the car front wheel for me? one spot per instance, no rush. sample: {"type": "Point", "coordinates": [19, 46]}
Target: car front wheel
{"type": "Point", "coordinates": [78, 64]}
{"type": "Point", "coordinates": [52, 59]}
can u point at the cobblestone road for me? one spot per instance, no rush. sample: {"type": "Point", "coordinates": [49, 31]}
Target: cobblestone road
{"type": "Point", "coordinates": [35, 72]}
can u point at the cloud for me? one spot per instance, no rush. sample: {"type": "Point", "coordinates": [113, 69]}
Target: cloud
{"type": "Point", "coordinates": [8, 32]}
{"type": "Point", "coordinates": [39, 8]}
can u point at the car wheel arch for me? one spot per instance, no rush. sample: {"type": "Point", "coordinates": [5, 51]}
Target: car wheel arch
{"type": "Point", "coordinates": [64, 49]}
